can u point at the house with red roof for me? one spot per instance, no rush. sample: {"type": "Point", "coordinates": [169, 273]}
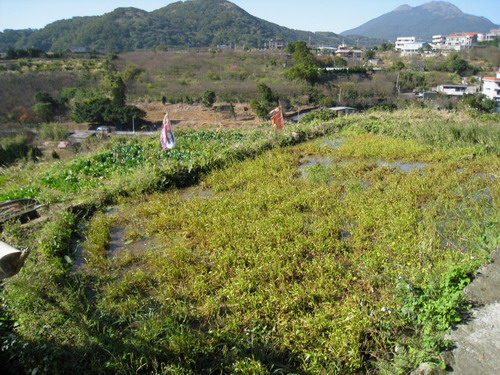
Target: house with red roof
{"type": "Point", "coordinates": [459, 41]}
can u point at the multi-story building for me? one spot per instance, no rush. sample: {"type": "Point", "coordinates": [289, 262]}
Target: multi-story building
{"type": "Point", "coordinates": [438, 41]}
{"type": "Point", "coordinates": [459, 41]}
{"type": "Point", "coordinates": [412, 48]}
{"type": "Point", "coordinates": [348, 53]}
{"type": "Point", "coordinates": [488, 37]}
{"type": "Point", "coordinates": [402, 40]}
{"type": "Point", "coordinates": [325, 51]}
{"type": "Point", "coordinates": [491, 87]}
{"type": "Point", "coordinates": [277, 44]}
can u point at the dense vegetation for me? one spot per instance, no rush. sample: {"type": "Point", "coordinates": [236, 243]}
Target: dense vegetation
{"type": "Point", "coordinates": [350, 258]}
{"type": "Point", "coordinates": [15, 149]}
{"type": "Point", "coordinates": [48, 89]}
{"type": "Point", "coordinates": [199, 23]}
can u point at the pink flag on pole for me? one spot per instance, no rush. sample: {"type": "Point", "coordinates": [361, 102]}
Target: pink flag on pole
{"type": "Point", "coordinates": [277, 118]}
{"type": "Point", "coordinates": [167, 138]}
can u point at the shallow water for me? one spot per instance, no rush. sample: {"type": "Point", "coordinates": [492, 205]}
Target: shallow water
{"type": "Point", "coordinates": [308, 162]}
{"type": "Point", "coordinates": [332, 143]}
{"type": "Point", "coordinates": [197, 192]}
{"type": "Point", "coordinates": [118, 247]}
{"type": "Point", "coordinates": [311, 161]}
{"type": "Point", "coordinates": [486, 176]}
{"type": "Point", "coordinates": [344, 234]}
{"type": "Point", "coordinates": [402, 166]}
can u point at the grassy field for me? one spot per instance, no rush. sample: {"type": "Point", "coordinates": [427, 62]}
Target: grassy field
{"type": "Point", "coordinates": [337, 248]}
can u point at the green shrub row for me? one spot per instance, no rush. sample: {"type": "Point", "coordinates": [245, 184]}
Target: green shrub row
{"type": "Point", "coordinates": [15, 149]}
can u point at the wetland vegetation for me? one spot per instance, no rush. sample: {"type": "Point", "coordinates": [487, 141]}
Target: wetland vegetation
{"type": "Point", "coordinates": [333, 247]}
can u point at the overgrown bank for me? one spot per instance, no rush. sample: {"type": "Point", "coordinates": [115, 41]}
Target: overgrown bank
{"type": "Point", "coordinates": [342, 255]}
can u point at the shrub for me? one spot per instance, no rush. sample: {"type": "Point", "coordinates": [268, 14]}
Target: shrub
{"type": "Point", "coordinates": [321, 115]}
{"type": "Point", "coordinates": [53, 131]}
{"type": "Point", "coordinates": [104, 111]}
{"type": "Point", "coordinates": [208, 98]}
{"type": "Point", "coordinates": [17, 148]}
{"type": "Point", "coordinates": [267, 101]}
{"type": "Point", "coordinates": [481, 103]}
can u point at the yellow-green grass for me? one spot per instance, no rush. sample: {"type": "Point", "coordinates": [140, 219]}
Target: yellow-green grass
{"type": "Point", "coordinates": [308, 268]}
{"type": "Point", "coordinates": [341, 255]}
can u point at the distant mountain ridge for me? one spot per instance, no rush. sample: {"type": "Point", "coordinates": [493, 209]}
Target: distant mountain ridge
{"type": "Point", "coordinates": [193, 23]}
{"type": "Point", "coordinates": [424, 21]}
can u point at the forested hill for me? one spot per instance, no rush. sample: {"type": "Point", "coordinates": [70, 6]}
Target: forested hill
{"type": "Point", "coordinates": [194, 23]}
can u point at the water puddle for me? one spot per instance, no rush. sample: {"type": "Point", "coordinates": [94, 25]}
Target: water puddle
{"type": "Point", "coordinates": [344, 234]}
{"type": "Point", "coordinates": [483, 196]}
{"type": "Point", "coordinates": [119, 247]}
{"type": "Point", "coordinates": [311, 161]}
{"type": "Point", "coordinates": [197, 192]}
{"type": "Point", "coordinates": [403, 167]}
{"type": "Point", "coordinates": [331, 143]}
{"type": "Point", "coordinates": [315, 168]}
{"type": "Point", "coordinates": [78, 262]}
{"type": "Point", "coordinates": [486, 176]}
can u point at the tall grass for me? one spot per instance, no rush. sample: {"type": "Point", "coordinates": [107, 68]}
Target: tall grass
{"type": "Point", "coordinates": [53, 131]}
{"type": "Point", "coordinates": [437, 128]}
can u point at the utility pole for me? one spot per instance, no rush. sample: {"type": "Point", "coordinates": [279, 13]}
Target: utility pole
{"type": "Point", "coordinates": [133, 124]}
{"type": "Point", "coordinates": [397, 86]}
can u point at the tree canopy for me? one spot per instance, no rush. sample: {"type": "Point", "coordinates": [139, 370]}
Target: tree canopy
{"type": "Point", "coordinates": [306, 65]}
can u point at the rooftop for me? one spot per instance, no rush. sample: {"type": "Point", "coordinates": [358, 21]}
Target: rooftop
{"type": "Point", "coordinates": [461, 34]}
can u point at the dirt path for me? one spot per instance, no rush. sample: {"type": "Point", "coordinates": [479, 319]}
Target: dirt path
{"type": "Point", "coordinates": [477, 340]}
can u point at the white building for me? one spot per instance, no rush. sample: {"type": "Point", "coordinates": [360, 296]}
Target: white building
{"type": "Point", "coordinates": [412, 48]}
{"type": "Point", "coordinates": [481, 37]}
{"type": "Point", "coordinates": [325, 50]}
{"type": "Point", "coordinates": [491, 87]}
{"type": "Point", "coordinates": [488, 37]}
{"type": "Point", "coordinates": [459, 41]}
{"type": "Point", "coordinates": [457, 90]}
{"type": "Point", "coordinates": [402, 40]}
{"type": "Point", "coordinates": [438, 41]}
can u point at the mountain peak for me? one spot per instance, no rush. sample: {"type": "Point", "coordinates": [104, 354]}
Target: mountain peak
{"type": "Point", "coordinates": [402, 8]}
{"type": "Point", "coordinates": [424, 21]}
{"type": "Point", "coordinates": [442, 8]}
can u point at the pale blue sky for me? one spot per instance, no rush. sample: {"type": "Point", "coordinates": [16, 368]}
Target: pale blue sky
{"type": "Point", "coordinates": [311, 15]}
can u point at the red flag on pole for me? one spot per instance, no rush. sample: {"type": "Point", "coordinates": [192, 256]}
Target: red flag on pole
{"type": "Point", "coordinates": [277, 118]}
{"type": "Point", "coordinates": [167, 138]}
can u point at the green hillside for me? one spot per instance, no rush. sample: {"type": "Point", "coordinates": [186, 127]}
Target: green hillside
{"type": "Point", "coordinates": [196, 23]}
